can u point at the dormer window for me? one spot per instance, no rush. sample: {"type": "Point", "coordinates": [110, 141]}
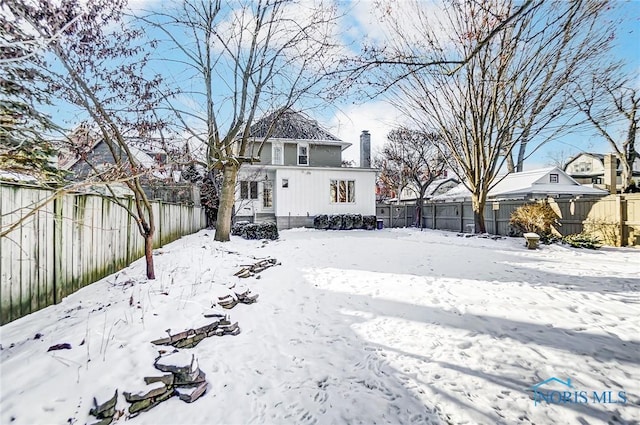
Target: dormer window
{"type": "Point", "coordinates": [277, 154]}
{"type": "Point", "coordinates": [303, 154]}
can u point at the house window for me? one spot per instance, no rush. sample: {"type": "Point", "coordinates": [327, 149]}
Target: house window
{"type": "Point", "coordinates": [248, 190]}
{"type": "Point", "coordinates": [553, 178]}
{"type": "Point", "coordinates": [277, 158]}
{"type": "Point", "coordinates": [303, 154]}
{"type": "Point", "coordinates": [583, 166]}
{"type": "Point", "coordinates": [342, 191]}
{"type": "Point", "coordinates": [267, 195]}
{"type": "Point", "coordinates": [285, 183]}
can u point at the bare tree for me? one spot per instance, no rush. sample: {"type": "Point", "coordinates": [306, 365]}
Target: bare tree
{"type": "Point", "coordinates": [392, 179]}
{"type": "Point", "coordinates": [416, 157]}
{"type": "Point", "coordinates": [245, 58]}
{"type": "Point", "coordinates": [560, 158]}
{"type": "Point", "coordinates": [508, 94]}
{"type": "Point", "coordinates": [98, 68]}
{"type": "Point", "coordinates": [611, 104]}
{"type": "Point", "coordinates": [373, 57]}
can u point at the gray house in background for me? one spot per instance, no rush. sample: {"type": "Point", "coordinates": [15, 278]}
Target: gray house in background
{"type": "Point", "coordinates": [299, 174]}
{"type": "Point", "coordinates": [590, 169]}
{"type": "Point", "coordinates": [161, 180]}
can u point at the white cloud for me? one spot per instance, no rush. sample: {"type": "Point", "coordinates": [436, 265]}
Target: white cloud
{"type": "Point", "coordinates": [378, 22]}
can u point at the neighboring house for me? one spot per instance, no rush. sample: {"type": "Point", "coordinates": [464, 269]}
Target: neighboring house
{"type": "Point", "coordinates": [299, 175]}
{"type": "Point", "coordinates": [534, 184]}
{"type": "Point", "coordinates": [589, 169]}
{"type": "Point", "coordinates": [160, 179]}
{"type": "Point", "coordinates": [410, 193]}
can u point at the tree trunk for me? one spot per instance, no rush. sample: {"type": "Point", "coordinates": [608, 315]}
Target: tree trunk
{"type": "Point", "coordinates": [511, 168]}
{"type": "Point", "coordinates": [521, 151]}
{"type": "Point", "coordinates": [148, 255]}
{"type": "Point", "coordinates": [629, 151]}
{"type": "Point", "coordinates": [227, 200]}
{"type": "Point", "coordinates": [420, 202]}
{"type": "Point", "coordinates": [626, 174]}
{"type": "Point", "coordinates": [478, 201]}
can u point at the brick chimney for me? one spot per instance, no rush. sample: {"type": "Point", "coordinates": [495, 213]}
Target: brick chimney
{"type": "Point", "coordinates": [610, 172]}
{"type": "Point", "coordinates": [365, 149]}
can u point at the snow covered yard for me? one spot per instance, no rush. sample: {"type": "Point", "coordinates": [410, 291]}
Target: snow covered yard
{"type": "Point", "coordinates": [393, 326]}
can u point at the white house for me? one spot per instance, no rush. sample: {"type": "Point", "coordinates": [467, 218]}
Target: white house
{"type": "Point", "coordinates": [300, 174]}
{"type": "Point", "coordinates": [535, 184]}
{"type": "Point", "coordinates": [410, 192]}
{"type": "Point", "coordinates": [589, 169]}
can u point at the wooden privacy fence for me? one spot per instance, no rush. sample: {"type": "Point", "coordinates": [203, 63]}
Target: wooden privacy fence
{"type": "Point", "coordinates": [614, 218]}
{"type": "Point", "coordinates": [71, 241]}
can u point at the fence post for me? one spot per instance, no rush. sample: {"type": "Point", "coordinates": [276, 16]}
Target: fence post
{"type": "Point", "coordinates": [620, 213]}
{"type": "Point", "coordinates": [56, 286]}
{"type": "Point", "coordinates": [433, 215]}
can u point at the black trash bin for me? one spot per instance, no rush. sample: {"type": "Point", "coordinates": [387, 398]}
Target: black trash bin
{"type": "Point", "coordinates": [379, 224]}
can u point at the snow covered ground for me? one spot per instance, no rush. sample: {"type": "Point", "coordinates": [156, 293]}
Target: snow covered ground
{"type": "Point", "coordinates": [393, 326]}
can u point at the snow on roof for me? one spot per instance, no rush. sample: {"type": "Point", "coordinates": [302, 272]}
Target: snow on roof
{"type": "Point", "coordinates": [289, 124]}
{"type": "Point", "coordinates": [148, 162]}
{"type": "Point", "coordinates": [528, 183]}
{"type": "Point", "coordinates": [17, 177]}
{"type": "Point", "coordinates": [142, 157]}
{"type": "Point", "coordinates": [457, 192]}
{"type": "Point", "coordinates": [435, 185]}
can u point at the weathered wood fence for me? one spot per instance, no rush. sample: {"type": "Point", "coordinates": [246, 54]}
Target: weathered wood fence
{"type": "Point", "coordinates": [614, 218]}
{"type": "Point", "coordinates": [70, 241]}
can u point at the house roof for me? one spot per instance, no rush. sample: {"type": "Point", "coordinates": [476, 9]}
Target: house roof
{"type": "Point", "coordinates": [436, 184]}
{"type": "Point", "coordinates": [16, 176]}
{"type": "Point", "coordinates": [599, 156]}
{"type": "Point", "coordinates": [534, 182]}
{"type": "Point", "coordinates": [431, 189]}
{"type": "Point", "coordinates": [288, 124]}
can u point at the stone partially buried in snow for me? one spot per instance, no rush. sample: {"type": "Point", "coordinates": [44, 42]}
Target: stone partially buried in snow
{"type": "Point", "coordinates": [177, 362]}
{"type": "Point", "coordinates": [165, 379]}
{"type": "Point", "coordinates": [149, 403]}
{"type": "Point", "coordinates": [189, 381]}
{"type": "Point", "coordinates": [154, 389]}
{"type": "Point", "coordinates": [106, 409]}
{"type": "Point", "coordinates": [191, 394]}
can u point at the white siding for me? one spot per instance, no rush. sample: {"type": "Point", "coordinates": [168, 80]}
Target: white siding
{"type": "Point", "coordinates": [246, 207]}
{"type": "Point", "coordinates": [308, 191]}
{"type": "Point", "coordinates": [563, 179]}
{"type": "Point", "coordinates": [586, 164]}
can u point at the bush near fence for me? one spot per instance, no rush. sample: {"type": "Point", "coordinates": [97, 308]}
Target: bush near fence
{"type": "Point", "coordinates": [344, 222]}
{"type": "Point", "coordinates": [73, 240]}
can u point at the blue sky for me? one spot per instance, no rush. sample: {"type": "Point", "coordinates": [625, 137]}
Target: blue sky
{"type": "Point", "coordinates": [379, 117]}
{"type": "Point", "coordinates": [347, 117]}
